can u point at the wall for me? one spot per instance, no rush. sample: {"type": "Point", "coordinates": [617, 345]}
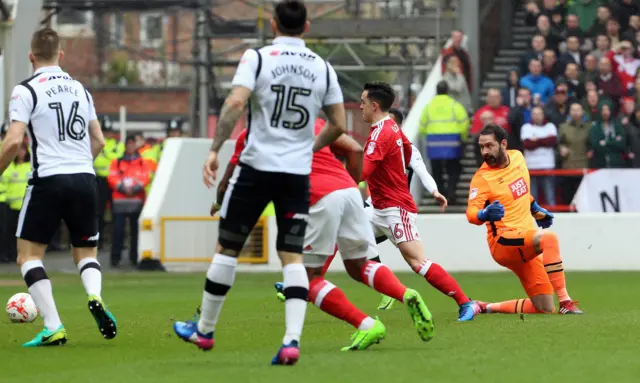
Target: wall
{"type": "Point", "coordinates": [587, 241]}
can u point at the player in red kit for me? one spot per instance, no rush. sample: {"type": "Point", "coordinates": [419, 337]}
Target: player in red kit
{"type": "Point", "coordinates": [337, 217]}
{"type": "Point", "coordinates": [387, 153]}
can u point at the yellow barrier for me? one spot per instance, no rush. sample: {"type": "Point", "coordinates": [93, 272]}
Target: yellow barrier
{"type": "Point", "coordinates": [259, 234]}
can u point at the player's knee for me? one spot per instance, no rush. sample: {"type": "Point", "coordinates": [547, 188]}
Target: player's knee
{"type": "Point", "coordinates": [313, 272]}
{"type": "Point", "coordinates": [544, 304]}
{"type": "Point", "coordinates": [354, 267]}
{"type": "Point", "coordinates": [291, 235]}
{"type": "Point", "coordinates": [549, 240]}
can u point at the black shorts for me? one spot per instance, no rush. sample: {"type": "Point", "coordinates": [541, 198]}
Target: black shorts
{"type": "Point", "coordinates": [69, 197]}
{"type": "Point", "coordinates": [249, 193]}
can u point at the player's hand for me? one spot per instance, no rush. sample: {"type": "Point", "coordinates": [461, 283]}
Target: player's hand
{"type": "Point", "coordinates": [543, 218]}
{"type": "Point", "coordinates": [214, 208]}
{"type": "Point", "coordinates": [209, 170]}
{"type": "Point", "coordinates": [441, 200]}
{"type": "Point", "coordinates": [492, 213]}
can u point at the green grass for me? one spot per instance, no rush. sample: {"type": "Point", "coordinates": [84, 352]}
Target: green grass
{"type": "Point", "coordinates": [601, 346]}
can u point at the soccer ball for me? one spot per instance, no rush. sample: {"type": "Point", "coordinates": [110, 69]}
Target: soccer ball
{"type": "Point", "coordinates": [21, 308]}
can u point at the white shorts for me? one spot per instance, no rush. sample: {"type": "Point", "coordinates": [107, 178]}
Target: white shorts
{"type": "Point", "coordinates": [395, 223]}
{"type": "Point", "coordinates": [338, 218]}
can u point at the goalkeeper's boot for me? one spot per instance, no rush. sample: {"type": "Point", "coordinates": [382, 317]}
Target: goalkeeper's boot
{"type": "Point", "coordinates": [46, 337]}
{"type": "Point", "coordinates": [188, 331]}
{"type": "Point", "coordinates": [279, 291]}
{"type": "Point", "coordinates": [569, 307]}
{"type": "Point", "coordinates": [363, 339]}
{"type": "Point", "coordinates": [104, 319]}
{"type": "Point", "coordinates": [468, 311]}
{"type": "Point", "coordinates": [420, 314]}
{"type": "Point", "coordinates": [386, 303]}
{"type": "Point", "coordinates": [287, 354]}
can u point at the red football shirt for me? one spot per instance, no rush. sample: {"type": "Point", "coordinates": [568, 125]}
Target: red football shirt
{"type": "Point", "coordinates": [390, 152]}
{"type": "Point", "coordinates": [240, 141]}
{"type": "Point", "coordinates": [327, 173]}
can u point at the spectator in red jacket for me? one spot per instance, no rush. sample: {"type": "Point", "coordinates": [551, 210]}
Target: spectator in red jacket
{"type": "Point", "coordinates": [127, 178]}
{"type": "Point", "coordinates": [494, 105]}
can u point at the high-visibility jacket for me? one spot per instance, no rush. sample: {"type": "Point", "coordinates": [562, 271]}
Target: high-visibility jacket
{"type": "Point", "coordinates": [152, 154]}
{"type": "Point", "coordinates": [126, 172]}
{"type": "Point", "coordinates": [112, 150]}
{"type": "Point", "coordinates": [4, 178]}
{"type": "Point", "coordinates": [17, 180]}
{"type": "Point", "coordinates": [445, 122]}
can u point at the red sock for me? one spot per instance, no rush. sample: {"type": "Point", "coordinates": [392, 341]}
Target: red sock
{"type": "Point", "coordinates": [441, 280]}
{"type": "Point", "coordinates": [330, 299]}
{"type": "Point", "coordinates": [381, 279]}
{"type": "Point", "coordinates": [328, 262]}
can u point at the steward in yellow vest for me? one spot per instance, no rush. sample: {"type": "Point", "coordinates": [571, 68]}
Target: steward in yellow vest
{"type": "Point", "coordinates": [4, 207]}
{"type": "Point", "coordinates": [17, 177]}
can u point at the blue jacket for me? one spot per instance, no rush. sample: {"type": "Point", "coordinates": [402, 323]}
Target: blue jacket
{"type": "Point", "coordinates": [540, 84]}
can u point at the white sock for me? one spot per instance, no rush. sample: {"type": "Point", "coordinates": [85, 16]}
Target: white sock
{"type": "Point", "coordinates": [41, 291]}
{"type": "Point", "coordinates": [296, 290]}
{"type": "Point", "coordinates": [367, 324]}
{"type": "Point", "coordinates": [91, 276]}
{"type": "Point", "coordinates": [220, 277]}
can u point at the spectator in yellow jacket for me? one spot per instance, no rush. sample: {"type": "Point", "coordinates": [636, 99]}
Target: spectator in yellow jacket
{"type": "Point", "coordinates": [17, 177]}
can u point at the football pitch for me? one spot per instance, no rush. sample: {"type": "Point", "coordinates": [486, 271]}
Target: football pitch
{"type": "Point", "coordinates": [600, 346]}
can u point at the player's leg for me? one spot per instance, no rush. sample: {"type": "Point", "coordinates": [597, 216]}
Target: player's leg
{"type": "Point", "coordinates": [402, 229]}
{"type": "Point", "coordinates": [242, 205]}
{"type": "Point", "coordinates": [80, 214]}
{"type": "Point", "coordinates": [291, 201]}
{"type": "Point", "coordinates": [386, 302]}
{"type": "Point", "coordinates": [546, 242]}
{"type": "Point", "coordinates": [38, 220]}
{"type": "Point", "coordinates": [537, 286]}
{"type": "Point", "coordinates": [330, 299]}
{"type": "Point", "coordinates": [357, 245]}
{"type": "Point", "coordinates": [515, 251]}
{"type": "Point", "coordinates": [279, 286]}
{"type": "Point", "coordinates": [325, 218]}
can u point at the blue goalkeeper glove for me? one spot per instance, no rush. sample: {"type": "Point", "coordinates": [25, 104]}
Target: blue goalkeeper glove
{"type": "Point", "coordinates": [492, 213]}
{"type": "Point", "coordinates": [543, 218]}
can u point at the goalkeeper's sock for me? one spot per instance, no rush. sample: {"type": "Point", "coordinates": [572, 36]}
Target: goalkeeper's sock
{"type": "Point", "coordinates": [443, 281]}
{"type": "Point", "coordinates": [553, 265]}
{"type": "Point", "coordinates": [515, 306]}
{"type": "Point", "coordinates": [330, 299]}
{"type": "Point", "coordinates": [220, 278]}
{"type": "Point", "coordinates": [380, 278]}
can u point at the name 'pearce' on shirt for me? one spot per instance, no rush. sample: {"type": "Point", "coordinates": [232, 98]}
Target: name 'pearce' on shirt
{"type": "Point", "coordinates": [54, 90]}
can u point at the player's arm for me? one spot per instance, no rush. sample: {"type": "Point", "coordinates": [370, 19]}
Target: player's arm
{"type": "Point", "coordinates": [479, 194]}
{"type": "Point", "coordinates": [95, 131]}
{"type": "Point", "coordinates": [418, 166]}
{"type": "Point", "coordinates": [333, 107]}
{"type": "Point", "coordinates": [233, 162]}
{"type": "Point", "coordinates": [353, 152]}
{"type": "Point", "coordinates": [97, 138]}
{"type": "Point", "coordinates": [20, 108]}
{"type": "Point", "coordinates": [231, 112]}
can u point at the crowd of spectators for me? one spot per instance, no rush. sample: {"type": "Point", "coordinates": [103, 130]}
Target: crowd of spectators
{"type": "Point", "coordinates": [573, 102]}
